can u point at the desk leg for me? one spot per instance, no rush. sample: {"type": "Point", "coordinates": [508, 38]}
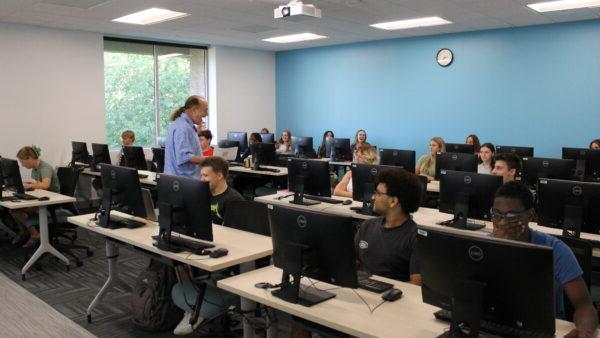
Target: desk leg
{"type": "Point", "coordinates": [112, 253]}
{"type": "Point", "coordinates": [45, 246]}
{"type": "Point", "coordinates": [246, 304]}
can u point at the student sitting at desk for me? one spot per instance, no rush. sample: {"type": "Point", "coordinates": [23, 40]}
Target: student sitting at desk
{"type": "Point", "coordinates": [253, 138]}
{"type": "Point", "coordinates": [127, 139]}
{"type": "Point", "coordinates": [595, 144]}
{"type": "Point", "coordinates": [486, 159]}
{"type": "Point", "coordinates": [322, 148]}
{"type": "Point", "coordinates": [43, 177]}
{"type": "Point", "coordinates": [387, 246]}
{"type": "Point", "coordinates": [507, 165]}
{"type": "Point", "coordinates": [426, 164]}
{"type": "Point", "coordinates": [474, 141]}
{"type": "Point", "coordinates": [205, 137]}
{"type": "Point", "coordinates": [264, 131]}
{"type": "Point", "coordinates": [511, 213]}
{"type": "Point", "coordinates": [214, 170]}
{"type": "Point", "coordinates": [284, 145]}
{"type": "Point", "coordinates": [364, 154]}
{"type": "Point", "coordinates": [359, 139]}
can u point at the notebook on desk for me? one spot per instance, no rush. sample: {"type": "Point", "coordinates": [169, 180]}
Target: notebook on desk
{"type": "Point", "coordinates": [229, 154]}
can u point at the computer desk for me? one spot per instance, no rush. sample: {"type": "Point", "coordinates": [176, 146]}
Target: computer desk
{"type": "Point", "coordinates": [406, 317]}
{"type": "Point", "coordinates": [150, 180]}
{"type": "Point", "coordinates": [244, 248]}
{"type": "Point", "coordinates": [45, 246]}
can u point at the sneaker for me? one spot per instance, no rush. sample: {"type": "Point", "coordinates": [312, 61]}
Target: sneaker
{"type": "Point", "coordinates": [184, 327]}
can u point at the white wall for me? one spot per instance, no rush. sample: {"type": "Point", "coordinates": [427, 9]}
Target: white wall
{"type": "Point", "coordinates": [51, 90]}
{"type": "Point", "coordinates": [241, 90]}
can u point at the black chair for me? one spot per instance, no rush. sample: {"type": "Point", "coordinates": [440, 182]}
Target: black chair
{"type": "Point", "coordinates": [60, 228]}
{"type": "Point", "coordinates": [582, 250]}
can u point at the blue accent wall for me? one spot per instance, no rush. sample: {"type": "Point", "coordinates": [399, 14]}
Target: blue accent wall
{"type": "Point", "coordinates": [537, 85]}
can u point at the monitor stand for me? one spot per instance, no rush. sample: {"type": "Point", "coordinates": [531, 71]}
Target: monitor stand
{"type": "Point", "coordinates": [461, 212]}
{"type": "Point", "coordinates": [580, 170]}
{"type": "Point", "coordinates": [467, 305]}
{"type": "Point", "coordinates": [299, 193]}
{"type": "Point", "coordinates": [572, 221]}
{"type": "Point", "coordinates": [290, 290]}
{"type": "Point", "coordinates": [367, 207]}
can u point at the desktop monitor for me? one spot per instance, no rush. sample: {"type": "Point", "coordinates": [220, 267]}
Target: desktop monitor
{"type": "Point", "coordinates": [239, 136]}
{"type": "Point", "coordinates": [314, 245]}
{"type": "Point", "coordinates": [267, 138]}
{"type": "Point", "coordinates": [158, 158]}
{"type": "Point", "coordinates": [340, 150]}
{"type": "Point", "coordinates": [303, 147]}
{"type": "Point", "coordinates": [11, 176]}
{"type": "Point", "coordinates": [520, 151]}
{"type": "Point", "coordinates": [537, 167]}
{"type": "Point", "coordinates": [460, 148]}
{"type": "Point", "coordinates": [309, 177]}
{"type": "Point", "coordinates": [569, 205]}
{"type": "Point", "coordinates": [79, 153]}
{"type": "Point", "coordinates": [122, 192]}
{"type": "Point", "coordinates": [404, 159]}
{"type": "Point", "coordinates": [474, 278]}
{"type": "Point", "coordinates": [364, 183]}
{"type": "Point", "coordinates": [455, 161]}
{"type": "Point", "coordinates": [101, 155]}
{"type": "Point", "coordinates": [588, 162]}
{"type": "Point", "coordinates": [225, 144]}
{"type": "Point", "coordinates": [467, 195]}
{"type": "Point", "coordinates": [262, 154]}
{"type": "Point", "coordinates": [135, 157]}
{"type": "Point", "coordinates": [184, 207]}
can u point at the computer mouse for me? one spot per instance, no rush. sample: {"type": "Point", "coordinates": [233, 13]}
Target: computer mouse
{"type": "Point", "coordinates": [392, 294]}
{"type": "Point", "coordinates": [218, 253]}
{"type": "Point", "coordinates": [43, 198]}
{"type": "Point", "coordinates": [347, 202]}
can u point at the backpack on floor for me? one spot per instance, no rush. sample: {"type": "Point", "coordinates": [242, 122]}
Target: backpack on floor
{"type": "Point", "coordinates": [151, 304]}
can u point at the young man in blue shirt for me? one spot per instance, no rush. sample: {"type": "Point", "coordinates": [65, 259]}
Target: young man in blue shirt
{"type": "Point", "coordinates": [511, 212]}
{"type": "Point", "coordinates": [182, 147]}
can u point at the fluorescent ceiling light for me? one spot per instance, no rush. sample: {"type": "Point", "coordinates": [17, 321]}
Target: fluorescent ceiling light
{"type": "Point", "coordinates": [150, 16]}
{"type": "Point", "coordinates": [550, 6]}
{"type": "Point", "coordinates": [295, 38]}
{"type": "Point", "coordinates": [412, 23]}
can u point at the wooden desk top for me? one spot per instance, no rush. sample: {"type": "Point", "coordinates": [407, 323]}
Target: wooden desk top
{"type": "Point", "coordinates": [55, 198]}
{"type": "Point", "coordinates": [150, 180]}
{"type": "Point", "coordinates": [283, 171]}
{"type": "Point", "coordinates": [406, 317]}
{"type": "Point", "coordinates": [243, 246]}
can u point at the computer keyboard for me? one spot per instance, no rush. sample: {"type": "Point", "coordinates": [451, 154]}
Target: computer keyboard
{"type": "Point", "coordinates": [469, 226]}
{"type": "Point", "coordinates": [323, 199]}
{"type": "Point", "coordinates": [24, 196]}
{"type": "Point", "coordinates": [495, 328]}
{"type": "Point", "coordinates": [187, 244]}
{"type": "Point", "coordinates": [374, 285]}
{"type": "Point", "coordinates": [268, 169]}
{"type": "Point", "coordinates": [122, 222]}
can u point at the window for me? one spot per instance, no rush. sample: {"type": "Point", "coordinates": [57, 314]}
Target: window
{"type": "Point", "coordinates": [144, 83]}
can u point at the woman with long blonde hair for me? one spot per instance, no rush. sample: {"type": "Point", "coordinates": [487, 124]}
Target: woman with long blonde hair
{"type": "Point", "coordinates": [426, 164]}
{"type": "Point", "coordinates": [365, 154]}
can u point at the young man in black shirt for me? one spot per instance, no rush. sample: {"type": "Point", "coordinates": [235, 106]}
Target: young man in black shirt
{"type": "Point", "coordinates": [214, 170]}
{"type": "Point", "coordinates": [387, 245]}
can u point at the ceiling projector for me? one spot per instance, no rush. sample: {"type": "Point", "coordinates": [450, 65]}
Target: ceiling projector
{"type": "Point", "coordinates": [296, 10]}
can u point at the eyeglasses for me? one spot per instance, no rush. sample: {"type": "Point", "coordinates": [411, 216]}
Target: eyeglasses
{"type": "Point", "coordinates": [377, 193]}
{"type": "Point", "coordinates": [510, 217]}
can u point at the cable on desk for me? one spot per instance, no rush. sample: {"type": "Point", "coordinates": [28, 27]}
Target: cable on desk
{"type": "Point", "coordinates": [363, 300]}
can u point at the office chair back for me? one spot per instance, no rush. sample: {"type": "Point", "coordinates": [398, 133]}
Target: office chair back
{"type": "Point", "coordinates": [68, 177]}
{"type": "Point", "coordinates": [583, 253]}
{"type": "Point", "coordinates": [248, 216]}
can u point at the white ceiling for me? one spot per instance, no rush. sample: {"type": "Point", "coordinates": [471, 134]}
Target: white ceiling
{"type": "Point", "coordinates": [243, 23]}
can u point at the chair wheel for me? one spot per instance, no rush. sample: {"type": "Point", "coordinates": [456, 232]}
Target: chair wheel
{"type": "Point", "coordinates": [79, 263]}
{"type": "Point", "coordinates": [90, 253]}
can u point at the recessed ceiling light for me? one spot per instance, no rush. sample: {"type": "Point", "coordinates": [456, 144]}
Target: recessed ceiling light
{"type": "Point", "coordinates": [412, 23]}
{"type": "Point", "coordinates": [150, 16]}
{"type": "Point", "coordinates": [551, 6]}
{"type": "Point", "coordinates": [295, 38]}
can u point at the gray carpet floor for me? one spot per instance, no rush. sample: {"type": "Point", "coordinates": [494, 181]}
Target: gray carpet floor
{"type": "Point", "coordinates": [71, 292]}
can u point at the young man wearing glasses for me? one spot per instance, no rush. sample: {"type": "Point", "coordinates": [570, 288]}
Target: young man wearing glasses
{"type": "Point", "coordinates": [387, 245]}
{"type": "Point", "coordinates": [511, 212]}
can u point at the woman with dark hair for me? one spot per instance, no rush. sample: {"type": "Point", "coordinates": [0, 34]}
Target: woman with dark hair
{"type": "Point", "coordinates": [595, 144]}
{"type": "Point", "coordinates": [474, 140]}
{"type": "Point", "coordinates": [486, 159]}
{"type": "Point", "coordinates": [322, 148]}
{"type": "Point", "coordinates": [182, 147]}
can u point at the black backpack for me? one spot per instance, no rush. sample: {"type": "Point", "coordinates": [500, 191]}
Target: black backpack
{"type": "Point", "coordinates": [151, 304]}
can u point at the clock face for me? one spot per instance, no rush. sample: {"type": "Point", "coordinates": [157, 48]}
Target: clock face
{"type": "Point", "coordinates": [444, 57]}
